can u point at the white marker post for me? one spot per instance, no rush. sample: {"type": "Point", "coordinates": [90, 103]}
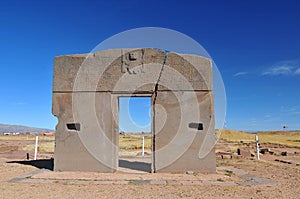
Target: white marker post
{"type": "Point", "coordinates": [143, 146]}
{"type": "Point", "coordinates": [257, 147]}
{"type": "Point", "coordinates": [36, 146]}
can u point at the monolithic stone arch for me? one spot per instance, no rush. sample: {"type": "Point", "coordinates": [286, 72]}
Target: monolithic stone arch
{"type": "Point", "coordinates": [86, 88]}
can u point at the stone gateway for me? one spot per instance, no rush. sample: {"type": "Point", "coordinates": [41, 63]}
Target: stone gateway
{"type": "Point", "coordinates": [86, 89]}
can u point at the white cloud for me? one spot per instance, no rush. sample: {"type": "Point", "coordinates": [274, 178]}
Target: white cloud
{"type": "Point", "coordinates": [284, 68]}
{"type": "Point", "coordinates": [279, 70]}
{"type": "Point", "coordinates": [240, 73]}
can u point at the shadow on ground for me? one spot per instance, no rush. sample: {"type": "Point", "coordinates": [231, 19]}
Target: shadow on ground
{"type": "Point", "coordinates": [139, 166]}
{"type": "Point", "coordinates": [41, 164]}
{"type": "Point", "coordinates": [49, 164]}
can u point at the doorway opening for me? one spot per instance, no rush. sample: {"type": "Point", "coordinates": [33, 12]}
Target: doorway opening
{"type": "Point", "coordinates": [135, 134]}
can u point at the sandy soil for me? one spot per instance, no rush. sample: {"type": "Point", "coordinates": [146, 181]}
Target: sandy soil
{"type": "Point", "coordinates": [286, 175]}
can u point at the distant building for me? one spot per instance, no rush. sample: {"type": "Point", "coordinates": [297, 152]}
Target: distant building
{"type": "Point", "coordinates": [46, 134]}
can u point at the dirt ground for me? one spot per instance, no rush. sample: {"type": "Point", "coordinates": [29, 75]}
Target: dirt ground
{"type": "Point", "coordinates": [279, 177]}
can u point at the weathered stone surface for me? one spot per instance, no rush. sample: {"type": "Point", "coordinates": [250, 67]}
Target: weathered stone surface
{"type": "Point", "coordinates": [86, 89]}
{"type": "Point", "coordinates": [81, 150]}
{"type": "Point", "coordinates": [176, 140]}
{"type": "Point", "coordinates": [244, 152]}
{"type": "Point", "coordinates": [191, 72]}
{"type": "Point", "coordinates": [102, 71]}
{"type": "Point", "coordinates": [65, 71]}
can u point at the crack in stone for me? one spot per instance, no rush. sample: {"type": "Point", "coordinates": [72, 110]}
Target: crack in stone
{"type": "Point", "coordinates": [153, 104]}
{"type": "Point", "coordinates": [159, 76]}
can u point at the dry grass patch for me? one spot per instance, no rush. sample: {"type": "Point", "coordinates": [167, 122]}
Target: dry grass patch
{"type": "Point", "coordinates": [25, 137]}
{"type": "Point", "coordinates": [291, 139]}
{"type": "Point", "coordinates": [130, 142]}
{"type": "Point", "coordinates": [235, 136]}
{"type": "Point", "coordinates": [44, 147]}
{"type": "Point", "coordinates": [5, 149]}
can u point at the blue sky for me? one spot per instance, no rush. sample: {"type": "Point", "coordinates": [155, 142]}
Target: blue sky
{"type": "Point", "coordinates": [255, 44]}
{"type": "Point", "coordinates": [135, 114]}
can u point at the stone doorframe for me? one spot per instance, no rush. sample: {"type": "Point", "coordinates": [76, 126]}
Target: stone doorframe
{"type": "Point", "coordinates": [116, 97]}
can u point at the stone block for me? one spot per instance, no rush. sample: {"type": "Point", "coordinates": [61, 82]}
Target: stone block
{"type": "Point", "coordinates": [86, 89]}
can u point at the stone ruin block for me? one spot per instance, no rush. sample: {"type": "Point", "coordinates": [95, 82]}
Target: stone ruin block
{"type": "Point", "coordinates": [86, 89]}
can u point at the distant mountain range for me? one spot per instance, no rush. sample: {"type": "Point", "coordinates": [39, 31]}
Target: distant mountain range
{"type": "Point", "coordinates": [7, 128]}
